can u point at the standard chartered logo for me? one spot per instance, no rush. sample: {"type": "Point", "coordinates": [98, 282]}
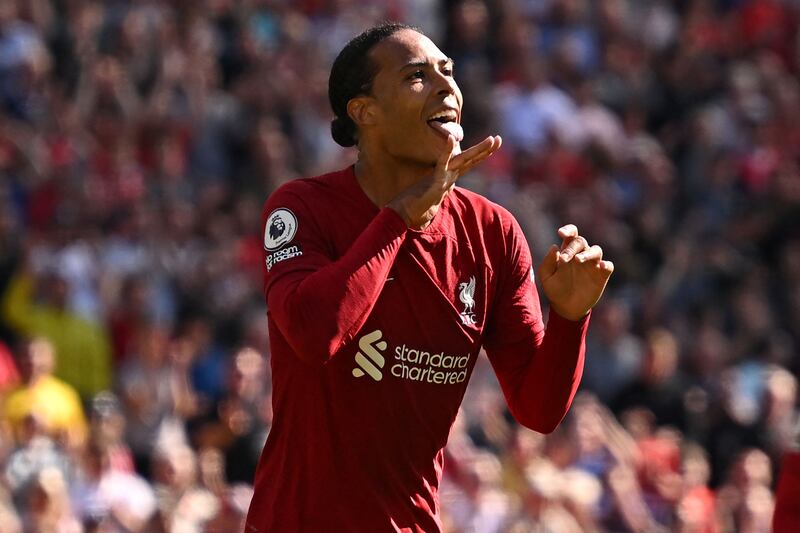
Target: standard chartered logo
{"type": "Point", "coordinates": [368, 358]}
{"type": "Point", "coordinates": [410, 363]}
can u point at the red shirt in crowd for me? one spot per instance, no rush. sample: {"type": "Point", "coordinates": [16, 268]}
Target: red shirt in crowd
{"type": "Point", "coordinates": [374, 331]}
{"type": "Point", "coordinates": [787, 495]}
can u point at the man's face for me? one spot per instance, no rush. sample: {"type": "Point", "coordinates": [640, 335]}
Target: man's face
{"type": "Point", "coordinates": [414, 83]}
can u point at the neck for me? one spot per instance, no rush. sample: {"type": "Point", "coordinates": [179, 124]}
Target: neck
{"type": "Point", "coordinates": [33, 379]}
{"type": "Point", "coordinates": [384, 177]}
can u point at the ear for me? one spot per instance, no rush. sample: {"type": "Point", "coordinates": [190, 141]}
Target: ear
{"type": "Point", "coordinates": [363, 110]}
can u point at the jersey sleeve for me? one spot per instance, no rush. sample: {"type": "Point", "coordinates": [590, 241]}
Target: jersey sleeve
{"type": "Point", "coordinates": [539, 368]}
{"type": "Point", "coordinates": [318, 301]}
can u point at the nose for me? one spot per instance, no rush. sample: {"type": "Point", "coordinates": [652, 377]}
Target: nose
{"type": "Point", "coordinates": [447, 85]}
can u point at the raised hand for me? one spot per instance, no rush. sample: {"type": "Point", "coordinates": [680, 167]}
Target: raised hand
{"type": "Point", "coordinates": [419, 203]}
{"type": "Point", "coordinates": [574, 275]}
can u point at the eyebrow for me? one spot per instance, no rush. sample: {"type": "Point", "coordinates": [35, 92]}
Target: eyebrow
{"type": "Point", "coordinates": [421, 63]}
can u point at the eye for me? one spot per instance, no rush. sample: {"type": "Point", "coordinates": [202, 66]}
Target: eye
{"type": "Point", "coordinates": [417, 75]}
{"type": "Point", "coordinates": [448, 71]}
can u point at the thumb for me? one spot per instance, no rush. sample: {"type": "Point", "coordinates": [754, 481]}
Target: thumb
{"type": "Point", "coordinates": [443, 164]}
{"type": "Point", "coordinates": [549, 263]}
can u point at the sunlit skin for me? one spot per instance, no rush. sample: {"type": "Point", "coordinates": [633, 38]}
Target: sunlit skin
{"type": "Point", "coordinates": [408, 165]}
{"type": "Point", "coordinates": [397, 147]}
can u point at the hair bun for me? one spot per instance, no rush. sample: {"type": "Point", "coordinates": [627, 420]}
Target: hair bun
{"type": "Point", "coordinates": [343, 131]}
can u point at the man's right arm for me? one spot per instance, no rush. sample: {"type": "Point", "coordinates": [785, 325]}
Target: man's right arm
{"type": "Point", "coordinates": [320, 302]}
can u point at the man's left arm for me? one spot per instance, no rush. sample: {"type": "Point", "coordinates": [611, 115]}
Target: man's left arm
{"type": "Point", "coordinates": [539, 369]}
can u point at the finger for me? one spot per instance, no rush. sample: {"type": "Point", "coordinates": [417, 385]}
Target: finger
{"type": "Point", "coordinates": [549, 263]}
{"type": "Point", "coordinates": [607, 266]}
{"type": "Point", "coordinates": [471, 159]}
{"type": "Point", "coordinates": [481, 149]}
{"type": "Point", "coordinates": [568, 231]}
{"type": "Point", "coordinates": [441, 172]}
{"type": "Point", "coordinates": [481, 146]}
{"type": "Point", "coordinates": [593, 253]}
{"type": "Point", "coordinates": [573, 247]}
{"type": "Point", "coordinates": [443, 164]}
{"type": "Point", "coordinates": [470, 164]}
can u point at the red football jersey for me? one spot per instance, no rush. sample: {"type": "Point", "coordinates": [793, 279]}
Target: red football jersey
{"type": "Point", "coordinates": [374, 331]}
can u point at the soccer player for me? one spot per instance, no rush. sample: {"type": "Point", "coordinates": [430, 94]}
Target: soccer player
{"type": "Point", "coordinates": [383, 281]}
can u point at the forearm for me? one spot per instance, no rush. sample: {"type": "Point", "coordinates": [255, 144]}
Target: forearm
{"type": "Point", "coordinates": [540, 390]}
{"type": "Point", "coordinates": [319, 310]}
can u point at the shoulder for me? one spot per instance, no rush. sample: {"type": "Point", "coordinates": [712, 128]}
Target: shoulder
{"type": "Point", "coordinates": [56, 386]}
{"type": "Point", "coordinates": [307, 198]}
{"type": "Point", "coordinates": [311, 188]}
{"type": "Point", "coordinates": [17, 398]}
{"type": "Point", "coordinates": [306, 208]}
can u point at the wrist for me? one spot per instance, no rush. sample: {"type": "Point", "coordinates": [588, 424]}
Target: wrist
{"type": "Point", "coordinates": [572, 317]}
{"type": "Point", "coordinates": [399, 208]}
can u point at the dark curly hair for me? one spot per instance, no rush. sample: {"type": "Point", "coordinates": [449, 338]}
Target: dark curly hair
{"type": "Point", "coordinates": [352, 75]}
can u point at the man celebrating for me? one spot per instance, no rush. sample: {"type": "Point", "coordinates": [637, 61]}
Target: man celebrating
{"type": "Point", "coordinates": [383, 281]}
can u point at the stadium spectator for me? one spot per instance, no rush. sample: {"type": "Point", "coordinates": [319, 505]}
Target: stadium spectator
{"type": "Point", "coordinates": [51, 402]}
{"type": "Point", "coordinates": [104, 497]}
{"type": "Point", "coordinates": [36, 452]}
{"type": "Point", "coordinates": [9, 375]}
{"type": "Point", "coordinates": [107, 431]}
{"type": "Point", "coordinates": [183, 502]}
{"type": "Point", "coordinates": [155, 392]}
{"type": "Point", "coordinates": [48, 506]}
{"type": "Point", "coordinates": [82, 351]}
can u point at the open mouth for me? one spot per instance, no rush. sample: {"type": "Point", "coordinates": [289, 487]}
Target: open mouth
{"type": "Point", "coordinates": [445, 123]}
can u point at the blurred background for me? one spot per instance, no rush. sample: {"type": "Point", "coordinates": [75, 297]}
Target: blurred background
{"type": "Point", "coordinates": [139, 139]}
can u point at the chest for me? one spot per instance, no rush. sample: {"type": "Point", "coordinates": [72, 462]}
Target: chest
{"type": "Point", "coordinates": [411, 359]}
{"type": "Point", "coordinates": [444, 274]}
{"type": "Point", "coordinates": [445, 279]}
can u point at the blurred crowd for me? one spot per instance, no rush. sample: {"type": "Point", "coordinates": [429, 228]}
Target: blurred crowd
{"type": "Point", "coordinates": [139, 139]}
